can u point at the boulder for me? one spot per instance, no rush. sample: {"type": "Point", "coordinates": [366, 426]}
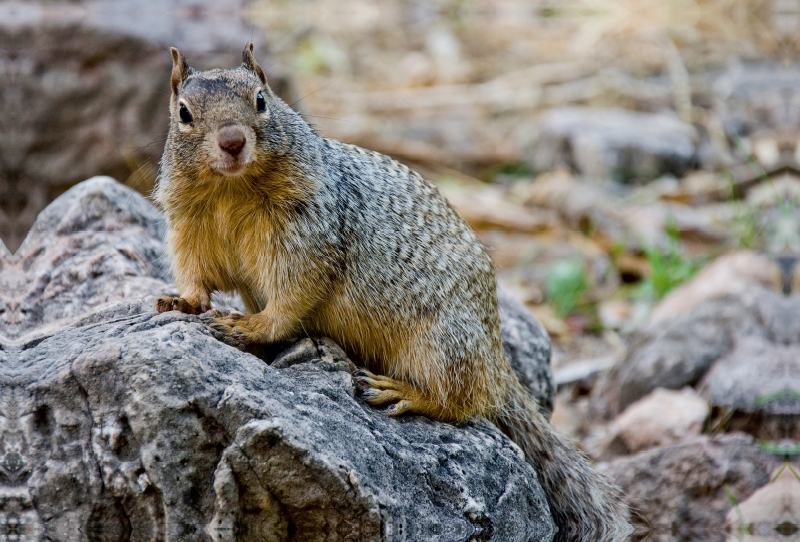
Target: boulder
{"type": "Point", "coordinates": [758, 378]}
{"type": "Point", "coordinates": [527, 345]}
{"type": "Point", "coordinates": [769, 514]}
{"type": "Point", "coordinates": [680, 351]}
{"type": "Point", "coordinates": [740, 353]}
{"type": "Point", "coordinates": [662, 418]}
{"type": "Point", "coordinates": [90, 91]}
{"type": "Point", "coordinates": [119, 423]}
{"type": "Point", "coordinates": [132, 422]}
{"type": "Point", "coordinates": [681, 492]}
{"type": "Point", "coordinates": [97, 244]}
{"type": "Point", "coordinates": [614, 143]}
{"type": "Point", "coordinates": [677, 353]}
{"type": "Point", "coordinates": [731, 274]}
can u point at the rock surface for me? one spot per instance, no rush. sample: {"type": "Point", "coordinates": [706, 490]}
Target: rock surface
{"type": "Point", "coordinates": [662, 418]}
{"type": "Point", "coordinates": [614, 143]}
{"type": "Point", "coordinates": [731, 274]}
{"type": "Point", "coordinates": [680, 492]}
{"type": "Point", "coordinates": [133, 422]}
{"type": "Point", "coordinates": [771, 512]}
{"type": "Point", "coordinates": [109, 60]}
{"type": "Point", "coordinates": [526, 344]}
{"type": "Point", "coordinates": [98, 243]}
{"type": "Point", "coordinates": [758, 377]}
{"type": "Point", "coordinates": [755, 333]}
{"type": "Point", "coordinates": [122, 424]}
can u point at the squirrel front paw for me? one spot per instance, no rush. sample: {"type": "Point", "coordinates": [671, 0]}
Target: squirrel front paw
{"type": "Point", "coordinates": [166, 303]}
{"type": "Point", "coordinates": [241, 327]}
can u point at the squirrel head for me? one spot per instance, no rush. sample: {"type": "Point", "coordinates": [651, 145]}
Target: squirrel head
{"type": "Point", "coordinates": [222, 122]}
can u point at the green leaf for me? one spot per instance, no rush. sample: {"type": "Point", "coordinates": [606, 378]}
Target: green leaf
{"type": "Point", "coordinates": [565, 284]}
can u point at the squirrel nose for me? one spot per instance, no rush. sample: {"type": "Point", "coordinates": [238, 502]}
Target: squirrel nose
{"type": "Point", "coordinates": [231, 140]}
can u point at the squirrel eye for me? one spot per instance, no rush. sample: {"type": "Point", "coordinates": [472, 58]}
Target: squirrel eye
{"type": "Point", "coordinates": [261, 104]}
{"type": "Point", "coordinates": [184, 114]}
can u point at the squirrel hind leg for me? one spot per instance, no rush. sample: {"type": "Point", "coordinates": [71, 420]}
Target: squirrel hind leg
{"type": "Point", "coordinates": [402, 397]}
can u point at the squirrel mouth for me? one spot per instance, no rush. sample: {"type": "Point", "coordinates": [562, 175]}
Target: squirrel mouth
{"type": "Point", "coordinates": [228, 168]}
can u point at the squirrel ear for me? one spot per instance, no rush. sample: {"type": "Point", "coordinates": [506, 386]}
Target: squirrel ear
{"type": "Point", "coordinates": [180, 69]}
{"type": "Point", "coordinates": [249, 62]}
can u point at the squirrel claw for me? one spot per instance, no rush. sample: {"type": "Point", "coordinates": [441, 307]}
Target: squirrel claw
{"type": "Point", "coordinates": [399, 408]}
{"type": "Point", "coordinates": [379, 390]}
{"type": "Point", "coordinates": [239, 327]}
{"type": "Point", "coordinates": [228, 331]}
{"type": "Point", "coordinates": [163, 303]}
{"type": "Point", "coordinates": [361, 382]}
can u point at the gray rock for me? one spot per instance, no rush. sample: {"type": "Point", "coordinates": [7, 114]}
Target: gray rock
{"type": "Point", "coordinates": [148, 424]}
{"type": "Point", "coordinates": [734, 273]}
{"type": "Point", "coordinates": [678, 352]}
{"type": "Point", "coordinates": [741, 351]}
{"type": "Point", "coordinates": [99, 243]}
{"type": "Point", "coordinates": [87, 91]}
{"type": "Point", "coordinates": [614, 143]}
{"type": "Point", "coordinates": [122, 424]}
{"type": "Point", "coordinates": [527, 346]}
{"type": "Point", "coordinates": [681, 492]}
{"type": "Point", "coordinates": [758, 377]}
{"type": "Point", "coordinates": [661, 418]}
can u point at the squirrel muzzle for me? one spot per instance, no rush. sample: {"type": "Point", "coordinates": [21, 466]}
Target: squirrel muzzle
{"type": "Point", "coordinates": [232, 149]}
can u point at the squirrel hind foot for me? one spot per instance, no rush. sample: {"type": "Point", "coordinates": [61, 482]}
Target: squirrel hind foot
{"type": "Point", "coordinates": [166, 303]}
{"type": "Point", "coordinates": [380, 390]}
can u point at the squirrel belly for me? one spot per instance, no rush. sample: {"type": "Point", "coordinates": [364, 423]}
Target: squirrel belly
{"type": "Point", "coordinates": [322, 237]}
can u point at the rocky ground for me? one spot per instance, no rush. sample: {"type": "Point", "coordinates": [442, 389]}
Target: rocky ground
{"type": "Point", "coordinates": [117, 420]}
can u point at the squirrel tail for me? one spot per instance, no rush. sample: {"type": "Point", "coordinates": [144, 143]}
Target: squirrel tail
{"type": "Point", "coordinates": [585, 505]}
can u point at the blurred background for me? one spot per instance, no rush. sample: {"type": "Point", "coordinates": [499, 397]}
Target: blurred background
{"type": "Point", "coordinates": [632, 166]}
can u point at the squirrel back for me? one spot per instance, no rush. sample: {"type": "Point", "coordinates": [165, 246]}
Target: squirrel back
{"type": "Point", "coordinates": [320, 237]}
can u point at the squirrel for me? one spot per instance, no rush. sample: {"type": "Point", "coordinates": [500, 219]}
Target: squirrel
{"type": "Point", "coordinates": [321, 237]}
